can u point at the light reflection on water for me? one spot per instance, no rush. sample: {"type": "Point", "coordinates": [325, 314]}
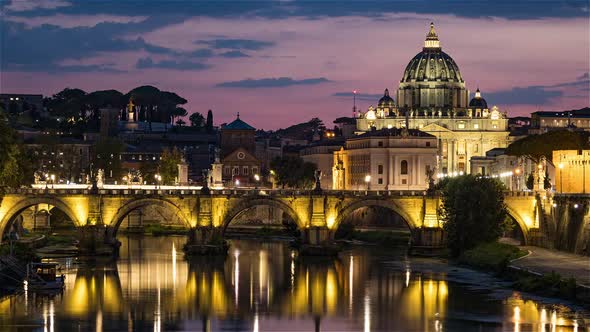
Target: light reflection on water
{"type": "Point", "coordinates": [266, 287]}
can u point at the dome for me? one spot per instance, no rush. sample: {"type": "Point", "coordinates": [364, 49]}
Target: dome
{"type": "Point", "coordinates": [432, 64]}
{"type": "Point", "coordinates": [478, 101]}
{"type": "Point", "coordinates": [386, 100]}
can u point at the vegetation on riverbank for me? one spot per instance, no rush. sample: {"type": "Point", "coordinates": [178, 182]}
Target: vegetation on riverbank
{"type": "Point", "coordinates": [496, 257]}
{"type": "Point", "coordinates": [20, 251]}
{"type": "Point", "coordinates": [394, 238]}
{"type": "Point", "coordinates": [161, 230]}
{"type": "Point", "coordinates": [491, 256]}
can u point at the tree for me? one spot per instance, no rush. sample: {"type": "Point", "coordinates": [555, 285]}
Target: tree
{"type": "Point", "coordinates": [536, 146]}
{"type": "Point", "coordinates": [101, 99]}
{"type": "Point", "coordinates": [178, 112]}
{"type": "Point", "coordinates": [197, 120]}
{"type": "Point", "coordinates": [209, 124]}
{"type": "Point", "coordinates": [293, 172]}
{"type": "Point", "coordinates": [180, 122]}
{"type": "Point", "coordinates": [530, 182]}
{"type": "Point", "coordinates": [472, 211]}
{"type": "Point", "coordinates": [14, 166]}
{"type": "Point", "coordinates": [547, 181]}
{"type": "Point", "coordinates": [169, 165]}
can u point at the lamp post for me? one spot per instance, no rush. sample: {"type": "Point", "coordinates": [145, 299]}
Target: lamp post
{"type": "Point", "coordinates": [158, 178]}
{"type": "Point", "coordinates": [517, 176]}
{"type": "Point", "coordinates": [560, 178]}
{"type": "Point", "coordinates": [237, 183]}
{"type": "Point", "coordinates": [257, 179]}
{"type": "Point", "coordinates": [52, 180]}
{"type": "Point", "coordinates": [368, 181]}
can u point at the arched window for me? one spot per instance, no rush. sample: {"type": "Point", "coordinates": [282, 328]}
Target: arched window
{"type": "Point", "coordinates": [404, 167]}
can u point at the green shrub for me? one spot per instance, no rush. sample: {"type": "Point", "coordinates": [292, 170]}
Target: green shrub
{"type": "Point", "coordinates": [492, 256]}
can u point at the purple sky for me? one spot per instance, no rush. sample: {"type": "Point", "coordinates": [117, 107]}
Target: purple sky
{"type": "Point", "coordinates": [521, 63]}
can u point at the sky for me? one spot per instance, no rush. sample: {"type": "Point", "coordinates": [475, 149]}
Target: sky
{"type": "Point", "coordinates": [282, 62]}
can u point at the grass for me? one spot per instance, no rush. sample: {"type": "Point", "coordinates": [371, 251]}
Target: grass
{"type": "Point", "coordinates": [493, 256]}
{"type": "Point", "coordinates": [160, 230]}
{"type": "Point", "coordinates": [385, 238]}
{"type": "Point", "coordinates": [549, 285]}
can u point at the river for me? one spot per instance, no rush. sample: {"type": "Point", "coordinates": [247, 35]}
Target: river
{"type": "Point", "coordinates": [265, 286]}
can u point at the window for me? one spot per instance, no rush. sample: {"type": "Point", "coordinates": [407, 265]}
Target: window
{"type": "Point", "coordinates": [235, 170]}
{"type": "Point", "coordinates": [245, 170]}
{"type": "Point", "coordinates": [476, 126]}
{"type": "Point", "coordinates": [380, 143]}
{"type": "Point", "coordinates": [380, 169]}
{"type": "Point", "coordinates": [461, 125]}
{"type": "Point", "coordinates": [404, 181]}
{"type": "Point", "coordinates": [226, 170]}
{"type": "Point", "coordinates": [254, 170]}
{"type": "Point", "coordinates": [380, 181]}
{"type": "Point", "coordinates": [404, 167]}
{"type": "Point", "coordinates": [427, 143]}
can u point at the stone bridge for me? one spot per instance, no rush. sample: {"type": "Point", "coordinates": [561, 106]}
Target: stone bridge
{"type": "Point", "coordinates": [98, 214]}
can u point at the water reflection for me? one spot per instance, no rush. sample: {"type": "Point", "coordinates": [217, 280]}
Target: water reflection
{"type": "Point", "coordinates": [267, 287]}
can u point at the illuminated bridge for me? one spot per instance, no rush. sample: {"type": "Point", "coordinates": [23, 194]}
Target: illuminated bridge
{"type": "Point", "coordinates": [98, 214]}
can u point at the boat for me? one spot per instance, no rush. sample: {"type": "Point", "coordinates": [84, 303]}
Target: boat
{"type": "Point", "coordinates": [43, 277]}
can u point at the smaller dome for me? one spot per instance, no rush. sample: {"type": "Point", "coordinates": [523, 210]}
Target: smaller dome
{"type": "Point", "coordinates": [478, 101]}
{"type": "Point", "coordinates": [386, 100]}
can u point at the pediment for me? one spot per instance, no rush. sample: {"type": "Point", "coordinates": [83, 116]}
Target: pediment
{"type": "Point", "coordinates": [436, 128]}
{"type": "Point", "coordinates": [240, 155]}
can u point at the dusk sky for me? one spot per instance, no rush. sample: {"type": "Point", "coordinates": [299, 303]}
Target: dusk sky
{"type": "Point", "coordinates": [284, 62]}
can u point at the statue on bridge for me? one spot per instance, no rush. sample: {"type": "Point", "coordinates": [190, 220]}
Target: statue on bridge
{"type": "Point", "coordinates": [100, 178]}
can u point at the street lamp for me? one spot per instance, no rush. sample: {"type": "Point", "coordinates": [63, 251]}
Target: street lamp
{"type": "Point", "coordinates": [368, 181]}
{"type": "Point", "coordinates": [257, 179]}
{"type": "Point", "coordinates": [158, 178]}
{"type": "Point", "coordinates": [517, 175]}
{"type": "Point", "coordinates": [52, 180]}
{"type": "Point", "coordinates": [237, 183]}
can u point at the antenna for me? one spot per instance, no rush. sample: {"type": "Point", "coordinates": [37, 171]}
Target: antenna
{"type": "Point", "coordinates": [354, 103]}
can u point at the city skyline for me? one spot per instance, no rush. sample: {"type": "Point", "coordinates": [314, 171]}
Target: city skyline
{"type": "Point", "coordinates": [284, 62]}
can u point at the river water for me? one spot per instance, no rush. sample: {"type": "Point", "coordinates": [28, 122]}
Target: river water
{"type": "Point", "coordinates": [265, 286]}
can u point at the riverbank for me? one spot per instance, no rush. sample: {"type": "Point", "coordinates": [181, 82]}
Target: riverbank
{"type": "Point", "coordinates": [546, 279]}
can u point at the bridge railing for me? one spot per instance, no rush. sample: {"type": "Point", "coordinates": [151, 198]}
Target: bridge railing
{"type": "Point", "coordinates": [225, 192]}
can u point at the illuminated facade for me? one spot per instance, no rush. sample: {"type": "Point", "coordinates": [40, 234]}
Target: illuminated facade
{"type": "Point", "coordinates": [432, 97]}
{"type": "Point", "coordinates": [386, 159]}
{"type": "Point", "coordinates": [572, 171]}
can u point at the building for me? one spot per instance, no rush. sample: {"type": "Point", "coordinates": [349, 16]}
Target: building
{"type": "Point", "coordinates": [322, 155]}
{"type": "Point", "coordinates": [572, 168]}
{"type": "Point", "coordinates": [238, 154]}
{"type": "Point", "coordinates": [432, 97]}
{"type": "Point", "coordinates": [386, 159]}
{"type": "Point", "coordinates": [67, 159]}
{"type": "Point", "coordinates": [542, 122]}
{"type": "Point", "coordinates": [20, 103]}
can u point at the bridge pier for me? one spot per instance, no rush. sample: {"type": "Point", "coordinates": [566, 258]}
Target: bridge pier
{"type": "Point", "coordinates": [318, 241]}
{"type": "Point", "coordinates": [96, 240]}
{"type": "Point", "coordinates": [431, 238]}
{"type": "Point", "coordinates": [206, 240]}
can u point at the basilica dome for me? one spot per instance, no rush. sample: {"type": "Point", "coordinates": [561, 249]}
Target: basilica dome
{"type": "Point", "coordinates": [478, 101]}
{"type": "Point", "coordinates": [386, 100]}
{"type": "Point", "coordinates": [432, 80]}
{"type": "Point", "coordinates": [432, 64]}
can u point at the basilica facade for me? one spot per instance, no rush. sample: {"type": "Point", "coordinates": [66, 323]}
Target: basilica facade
{"type": "Point", "coordinates": [432, 97]}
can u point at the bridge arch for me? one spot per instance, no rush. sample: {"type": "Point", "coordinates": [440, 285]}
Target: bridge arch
{"type": "Point", "coordinates": [247, 204]}
{"type": "Point", "coordinates": [135, 204]}
{"type": "Point", "coordinates": [27, 202]}
{"type": "Point", "coordinates": [520, 223]}
{"type": "Point", "coordinates": [388, 204]}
